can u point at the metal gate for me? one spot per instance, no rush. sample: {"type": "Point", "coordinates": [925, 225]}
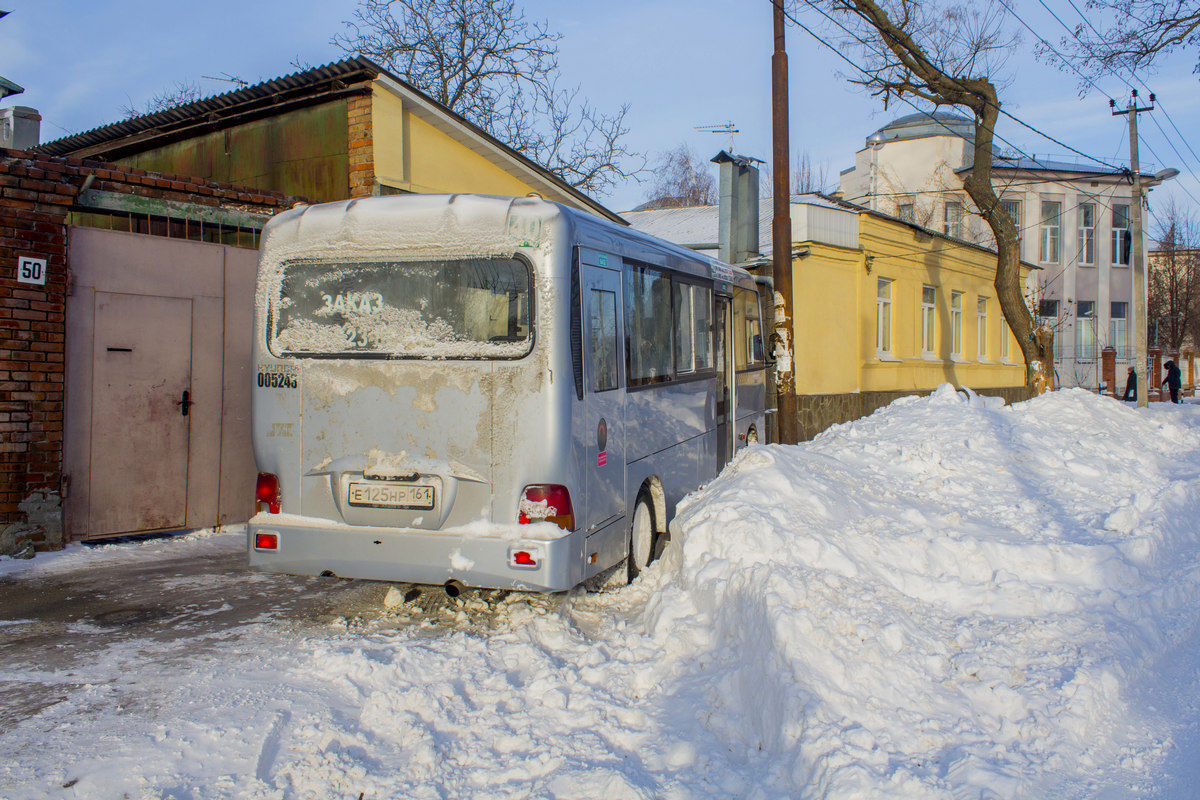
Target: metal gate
{"type": "Point", "coordinates": [157, 423]}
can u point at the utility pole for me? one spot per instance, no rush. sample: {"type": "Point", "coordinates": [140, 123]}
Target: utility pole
{"type": "Point", "coordinates": [1137, 253]}
{"type": "Point", "coordinates": [781, 238]}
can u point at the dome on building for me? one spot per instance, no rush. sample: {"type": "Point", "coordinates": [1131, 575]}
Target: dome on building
{"type": "Point", "coordinates": [925, 124]}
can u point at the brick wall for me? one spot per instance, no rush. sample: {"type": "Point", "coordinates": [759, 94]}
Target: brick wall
{"type": "Point", "coordinates": [362, 146]}
{"type": "Point", "coordinates": [36, 193]}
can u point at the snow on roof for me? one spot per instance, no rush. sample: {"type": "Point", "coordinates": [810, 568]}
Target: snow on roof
{"type": "Point", "coordinates": [699, 225]}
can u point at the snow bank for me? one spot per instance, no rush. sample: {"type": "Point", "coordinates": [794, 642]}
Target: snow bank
{"type": "Point", "coordinates": [948, 598]}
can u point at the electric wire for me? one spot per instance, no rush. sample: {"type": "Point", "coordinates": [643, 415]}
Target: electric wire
{"type": "Point", "coordinates": [812, 4]}
{"type": "Point", "coordinates": [1118, 76]}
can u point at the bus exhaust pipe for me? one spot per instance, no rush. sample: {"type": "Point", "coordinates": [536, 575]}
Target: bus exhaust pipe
{"type": "Point", "coordinates": [454, 588]}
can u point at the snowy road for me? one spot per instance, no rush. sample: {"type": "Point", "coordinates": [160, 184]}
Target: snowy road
{"type": "Point", "coordinates": [947, 599]}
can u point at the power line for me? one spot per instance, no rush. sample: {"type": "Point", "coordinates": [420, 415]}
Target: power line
{"type": "Point", "coordinates": [1118, 76]}
{"type": "Point", "coordinates": [1000, 110]}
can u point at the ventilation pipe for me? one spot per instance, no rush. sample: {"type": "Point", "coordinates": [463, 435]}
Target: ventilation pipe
{"type": "Point", "coordinates": [20, 127]}
{"type": "Point", "coordinates": [738, 234]}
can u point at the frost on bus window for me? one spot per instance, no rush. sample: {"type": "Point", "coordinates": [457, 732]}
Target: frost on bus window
{"type": "Point", "coordinates": [602, 310]}
{"type": "Point", "coordinates": [462, 308]}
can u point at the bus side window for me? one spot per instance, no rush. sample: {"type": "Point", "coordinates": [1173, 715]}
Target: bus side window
{"type": "Point", "coordinates": [602, 313]}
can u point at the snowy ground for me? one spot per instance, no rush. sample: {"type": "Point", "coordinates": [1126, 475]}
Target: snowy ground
{"type": "Point", "coordinates": [950, 598]}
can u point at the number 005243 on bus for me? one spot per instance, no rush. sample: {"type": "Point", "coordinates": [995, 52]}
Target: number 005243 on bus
{"type": "Point", "coordinates": [391, 495]}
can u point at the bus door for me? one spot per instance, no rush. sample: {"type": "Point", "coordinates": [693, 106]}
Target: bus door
{"type": "Point", "coordinates": [725, 382]}
{"type": "Point", "coordinates": [604, 397]}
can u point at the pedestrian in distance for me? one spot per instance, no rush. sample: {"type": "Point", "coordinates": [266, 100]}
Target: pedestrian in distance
{"type": "Point", "coordinates": [1130, 386]}
{"type": "Point", "coordinates": [1173, 380]}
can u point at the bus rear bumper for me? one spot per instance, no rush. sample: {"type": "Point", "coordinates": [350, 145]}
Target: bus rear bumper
{"type": "Point", "coordinates": [486, 558]}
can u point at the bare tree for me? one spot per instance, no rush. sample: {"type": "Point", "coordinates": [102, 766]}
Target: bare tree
{"type": "Point", "coordinates": [182, 93]}
{"type": "Point", "coordinates": [1173, 290]}
{"type": "Point", "coordinates": [681, 179]}
{"type": "Point", "coordinates": [947, 56]}
{"type": "Point", "coordinates": [486, 61]}
{"type": "Point", "coordinates": [808, 178]}
{"type": "Point", "coordinates": [1129, 35]}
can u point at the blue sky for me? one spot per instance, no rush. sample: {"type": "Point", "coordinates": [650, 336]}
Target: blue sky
{"type": "Point", "coordinates": [678, 63]}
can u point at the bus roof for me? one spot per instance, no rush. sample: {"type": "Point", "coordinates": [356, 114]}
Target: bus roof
{"type": "Point", "coordinates": [370, 223]}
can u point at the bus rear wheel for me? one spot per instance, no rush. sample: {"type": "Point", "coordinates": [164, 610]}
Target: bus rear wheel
{"type": "Point", "coordinates": [641, 538]}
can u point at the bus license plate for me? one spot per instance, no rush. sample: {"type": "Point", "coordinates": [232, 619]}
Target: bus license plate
{"type": "Point", "coordinates": [392, 495]}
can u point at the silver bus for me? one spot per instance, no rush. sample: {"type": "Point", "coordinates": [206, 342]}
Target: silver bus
{"type": "Point", "coordinates": [473, 391]}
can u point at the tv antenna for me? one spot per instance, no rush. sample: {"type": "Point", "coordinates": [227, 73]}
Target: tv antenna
{"type": "Point", "coordinates": [227, 79]}
{"type": "Point", "coordinates": [728, 127]}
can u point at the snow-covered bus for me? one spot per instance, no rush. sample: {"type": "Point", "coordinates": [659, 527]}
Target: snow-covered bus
{"type": "Point", "coordinates": [474, 391]}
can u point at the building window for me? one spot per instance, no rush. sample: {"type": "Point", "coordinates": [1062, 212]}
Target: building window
{"type": "Point", "coordinates": [1119, 329]}
{"type": "Point", "coordinates": [883, 318]}
{"type": "Point", "coordinates": [1004, 334]}
{"type": "Point", "coordinates": [1085, 330]}
{"type": "Point", "coordinates": [956, 324]}
{"type": "Point", "coordinates": [981, 327]}
{"type": "Point", "coordinates": [1121, 238]}
{"type": "Point", "coordinates": [928, 320]}
{"type": "Point", "coordinates": [1048, 316]}
{"type": "Point", "coordinates": [1087, 234]}
{"type": "Point", "coordinates": [908, 212]}
{"type": "Point", "coordinates": [1013, 207]}
{"type": "Point", "coordinates": [1048, 248]}
{"type": "Point", "coordinates": [952, 224]}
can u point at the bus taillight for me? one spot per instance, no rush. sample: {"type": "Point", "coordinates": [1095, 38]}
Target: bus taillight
{"type": "Point", "coordinates": [267, 491]}
{"type": "Point", "coordinates": [547, 503]}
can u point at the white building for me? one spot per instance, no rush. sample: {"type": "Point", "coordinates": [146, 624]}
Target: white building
{"type": "Point", "coordinates": [1073, 220]}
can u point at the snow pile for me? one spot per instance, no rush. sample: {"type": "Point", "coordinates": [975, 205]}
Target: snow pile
{"type": "Point", "coordinates": [949, 596]}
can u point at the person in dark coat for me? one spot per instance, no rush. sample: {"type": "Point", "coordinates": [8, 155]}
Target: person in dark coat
{"type": "Point", "coordinates": [1173, 380]}
{"type": "Point", "coordinates": [1131, 385]}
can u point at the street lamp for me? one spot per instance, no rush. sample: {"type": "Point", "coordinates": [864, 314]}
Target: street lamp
{"type": "Point", "coordinates": [874, 141]}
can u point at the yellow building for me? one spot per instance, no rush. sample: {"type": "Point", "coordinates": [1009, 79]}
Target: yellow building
{"type": "Point", "coordinates": [349, 129]}
{"type": "Point", "coordinates": [882, 308]}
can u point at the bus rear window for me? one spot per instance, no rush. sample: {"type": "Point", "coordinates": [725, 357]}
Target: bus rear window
{"type": "Point", "coordinates": [460, 308]}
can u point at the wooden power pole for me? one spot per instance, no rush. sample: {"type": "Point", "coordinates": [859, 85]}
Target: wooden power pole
{"type": "Point", "coordinates": [1137, 253]}
{"type": "Point", "coordinates": [781, 239]}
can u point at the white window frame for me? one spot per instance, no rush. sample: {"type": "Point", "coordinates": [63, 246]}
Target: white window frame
{"type": "Point", "coordinates": [1087, 234]}
{"type": "Point", "coordinates": [1014, 208]}
{"type": "Point", "coordinates": [981, 320]}
{"type": "Point", "coordinates": [1085, 331]}
{"type": "Point", "coordinates": [1118, 235]}
{"type": "Point", "coordinates": [1053, 321]}
{"type": "Point", "coordinates": [956, 324]}
{"type": "Point", "coordinates": [883, 317]}
{"type": "Point", "coordinates": [1118, 327]}
{"type": "Point", "coordinates": [952, 219]}
{"type": "Point", "coordinates": [1004, 334]}
{"type": "Point", "coordinates": [1050, 232]}
{"type": "Point", "coordinates": [928, 320]}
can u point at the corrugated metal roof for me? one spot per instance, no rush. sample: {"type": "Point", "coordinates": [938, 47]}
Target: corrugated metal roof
{"type": "Point", "coordinates": [309, 84]}
{"type": "Point", "coordinates": [213, 108]}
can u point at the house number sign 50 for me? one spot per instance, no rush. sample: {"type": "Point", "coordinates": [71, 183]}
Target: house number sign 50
{"type": "Point", "coordinates": [31, 270]}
